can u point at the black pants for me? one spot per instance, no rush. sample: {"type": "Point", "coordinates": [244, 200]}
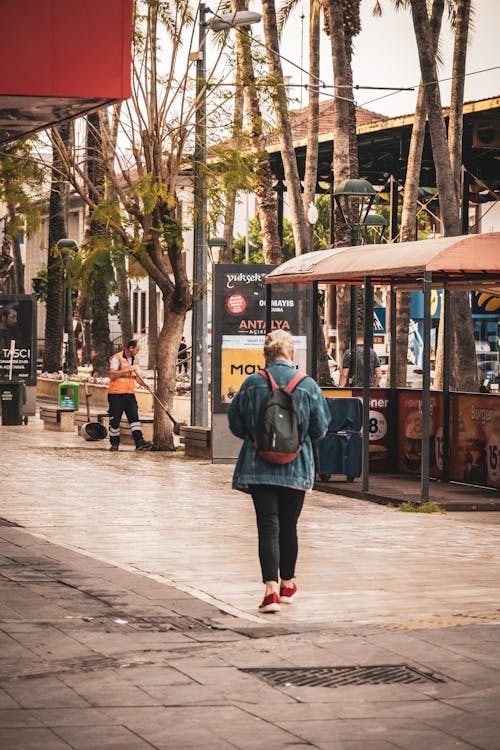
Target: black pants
{"type": "Point", "coordinates": [278, 510]}
{"type": "Point", "coordinates": [119, 403]}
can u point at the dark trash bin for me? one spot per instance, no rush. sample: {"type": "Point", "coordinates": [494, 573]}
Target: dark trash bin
{"type": "Point", "coordinates": [12, 399]}
{"type": "Point", "coordinates": [340, 451]}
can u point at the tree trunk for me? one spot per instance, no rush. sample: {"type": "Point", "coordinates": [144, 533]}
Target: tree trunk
{"type": "Point", "coordinates": [101, 343]}
{"type": "Point", "coordinates": [463, 353]}
{"type": "Point", "coordinates": [168, 344]}
{"type": "Point", "coordinates": [16, 253]}
{"type": "Point", "coordinates": [264, 193]}
{"type": "Point", "coordinates": [280, 102]}
{"type": "Point", "coordinates": [152, 324]}
{"type": "Point", "coordinates": [54, 322]}
{"type": "Point", "coordinates": [109, 127]}
{"type": "Point", "coordinates": [455, 127]}
{"type": "Point", "coordinates": [226, 253]}
{"type": "Point", "coordinates": [100, 329]}
{"type": "Point", "coordinates": [444, 177]}
{"type": "Point", "coordinates": [414, 166]}
{"type": "Point", "coordinates": [311, 167]}
{"type": "Point", "coordinates": [410, 202]}
{"type": "Point", "coordinates": [345, 163]}
{"type": "Point", "coordinates": [122, 290]}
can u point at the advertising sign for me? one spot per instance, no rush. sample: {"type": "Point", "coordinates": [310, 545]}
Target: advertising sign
{"type": "Point", "coordinates": [475, 441]}
{"type": "Point", "coordinates": [18, 337]}
{"type": "Point", "coordinates": [410, 433]}
{"type": "Point", "coordinates": [239, 325]}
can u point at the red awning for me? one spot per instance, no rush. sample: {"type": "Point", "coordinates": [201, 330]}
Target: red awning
{"type": "Point", "coordinates": [61, 59]}
{"type": "Point", "coordinates": [473, 258]}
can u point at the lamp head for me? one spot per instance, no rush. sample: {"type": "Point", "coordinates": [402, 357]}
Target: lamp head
{"type": "Point", "coordinates": [226, 21]}
{"type": "Point", "coordinates": [373, 219]}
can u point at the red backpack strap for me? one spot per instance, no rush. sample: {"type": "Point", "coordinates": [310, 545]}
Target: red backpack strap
{"type": "Point", "coordinates": [267, 375]}
{"type": "Point", "coordinates": [294, 382]}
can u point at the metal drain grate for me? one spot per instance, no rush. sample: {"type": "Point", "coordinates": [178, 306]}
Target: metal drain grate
{"type": "Point", "coordinates": [380, 674]}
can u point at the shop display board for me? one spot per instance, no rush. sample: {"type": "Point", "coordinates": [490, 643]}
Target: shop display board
{"type": "Point", "coordinates": [410, 433]}
{"type": "Point", "coordinates": [239, 325]}
{"type": "Point", "coordinates": [475, 439]}
{"type": "Point", "coordinates": [18, 337]}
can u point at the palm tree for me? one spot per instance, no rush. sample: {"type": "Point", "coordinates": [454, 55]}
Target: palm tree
{"type": "Point", "coordinates": [313, 109]}
{"type": "Point", "coordinates": [264, 193]}
{"type": "Point", "coordinates": [58, 208]}
{"type": "Point", "coordinates": [279, 97]}
{"type": "Point", "coordinates": [342, 19]}
{"type": "Point", "coordinates": [410, 199]}
{"type": "Point", "coordinates": [97, 241]}
{"type": "Point", "coordinates": [463, 354]}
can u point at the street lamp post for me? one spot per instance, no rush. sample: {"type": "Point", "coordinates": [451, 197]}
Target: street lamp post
{"type": "Point", "coordinates": [199, 328]}
{"type": "Point", "coordinates": [216, 244]}
{"type": "Point", "coordinates": [354, 198]}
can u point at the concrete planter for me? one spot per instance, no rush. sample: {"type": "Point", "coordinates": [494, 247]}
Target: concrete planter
{"type": "Point", "coordinates": [49, 389]}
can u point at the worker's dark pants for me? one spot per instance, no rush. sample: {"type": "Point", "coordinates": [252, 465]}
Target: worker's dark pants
{"type": "Point", "coordinates": [278, 510]}
{"type": "Point", "coordinates": [119, 403]}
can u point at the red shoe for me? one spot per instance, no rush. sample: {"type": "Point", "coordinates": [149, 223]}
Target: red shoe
{"type": "Point", "coordinates": [287, 593]}
{"type": "Point", "coordinates": [271, 603]}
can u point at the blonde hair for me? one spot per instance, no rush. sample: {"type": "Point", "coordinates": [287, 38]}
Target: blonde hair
{"type": "Point", "coordinates": [278, 345]}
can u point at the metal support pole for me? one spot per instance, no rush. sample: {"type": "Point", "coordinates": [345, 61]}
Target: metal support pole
{"type": "Point", "coordinates": [314, 331]}
{"type": "Point", "coordinates": [464, 218]}
{"type": "Point", "coordinates": [426, 397]}
{"type": "Point", "coordinates": [445, 447]}
{"type": "Point", "coordinates": [353, 291]}
{"type": "Point", "coordinates": [280, 190]}
{"type": "Point", "coordinates": [331, 219]}
{"type": "Point", "coordinates": [199, 364]}
{"type": "Point", "coordinates": [393, 397]}
{"type": "Point", "coordinates": [367, 345]}
{"type": "Point", "coordinates": [353, 311]}
{"type": "Point", "coordinates": [393, 194]}
{"type": "Point", "coordinates": [269, 292]}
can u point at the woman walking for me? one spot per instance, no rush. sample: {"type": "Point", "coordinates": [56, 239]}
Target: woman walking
{"type": "Point", "coordinates": [277, 490]}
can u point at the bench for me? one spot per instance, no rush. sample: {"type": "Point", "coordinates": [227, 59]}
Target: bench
{"type": "Point", "coordinates": [125, 431]}
{"type": "Point", "coordinates": [58, 418]}
{"type": "Point", "coordinates": [197, 441]}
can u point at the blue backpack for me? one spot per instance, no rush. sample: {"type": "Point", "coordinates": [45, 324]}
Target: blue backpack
{"type": "Point", "coordinates": [279, 432]}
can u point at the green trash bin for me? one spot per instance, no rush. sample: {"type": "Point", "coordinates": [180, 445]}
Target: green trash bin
{"type": "Point", "coordinates": [69, 395]}
{"type": "Point", "coordinates": [12, 398]}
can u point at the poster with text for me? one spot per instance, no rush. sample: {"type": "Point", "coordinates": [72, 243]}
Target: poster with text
{"type": "Point", "coordinates": [410, 429]}
{"type": "Point", "coordinates": [18, 337]}
{"type": "Point", "coordinates": [475, 439]}
{"type": "Point", "coordinates": [239, 325]}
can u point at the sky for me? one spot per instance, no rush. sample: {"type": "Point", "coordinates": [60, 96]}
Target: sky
{"type": "Point", "coordinates": [386, 55]}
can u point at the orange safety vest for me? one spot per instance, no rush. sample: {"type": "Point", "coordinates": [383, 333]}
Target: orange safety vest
{"type": "Point", "coordinates": [123, 383]}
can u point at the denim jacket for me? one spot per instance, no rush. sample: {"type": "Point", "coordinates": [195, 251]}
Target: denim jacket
{"type": "Point", "coordinates": [243, 414]}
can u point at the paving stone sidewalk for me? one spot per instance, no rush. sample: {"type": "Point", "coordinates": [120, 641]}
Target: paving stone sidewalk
{"type": "Point", "coordinates": [95, 657]}
{"type": "Point", "coordinates": [128, 595]}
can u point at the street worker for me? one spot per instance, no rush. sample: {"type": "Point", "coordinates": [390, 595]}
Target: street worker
{"type": "Point", "coordinates": [123, 374]}
{"type": "Point", "coordinates": [277, 489]}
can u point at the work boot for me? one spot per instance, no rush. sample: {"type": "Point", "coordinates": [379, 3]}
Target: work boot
{"type": "Point", "coordinates": [144, 445]}
{"type": "Point", "coordinates": [114, 447]}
